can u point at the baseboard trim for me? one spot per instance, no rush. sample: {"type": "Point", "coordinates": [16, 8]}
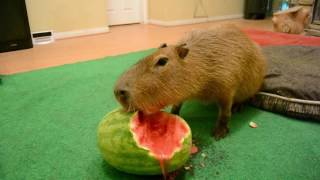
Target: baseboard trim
{"type": "Point", "coordinates": [193, 21]}
{"type": "Point", "coordinates": [82, 32]}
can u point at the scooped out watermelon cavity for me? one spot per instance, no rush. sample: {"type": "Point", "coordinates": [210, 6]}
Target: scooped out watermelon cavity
{"type": "Point", "coordinates": [140, 144]}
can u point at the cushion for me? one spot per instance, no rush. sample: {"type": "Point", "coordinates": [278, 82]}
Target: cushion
{"type": "Point", "coordinates": [292, 83]}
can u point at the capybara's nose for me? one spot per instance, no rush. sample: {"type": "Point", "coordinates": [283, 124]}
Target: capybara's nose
{"type": "Point", "coordinates": [122, 95]}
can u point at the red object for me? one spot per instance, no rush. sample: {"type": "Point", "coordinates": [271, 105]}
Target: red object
{"type": "Point", "coordinates": [194, 149]}
{"type": "Point", "coordinates": [161, 133]}
{"type": "Point", "coordinates": [265, 38]}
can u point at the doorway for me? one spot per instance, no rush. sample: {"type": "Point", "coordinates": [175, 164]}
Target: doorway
{"type": "Point", "coordinates": [126, 12]}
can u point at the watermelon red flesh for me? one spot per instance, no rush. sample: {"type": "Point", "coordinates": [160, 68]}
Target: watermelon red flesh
{"type": "Point", "coordinates": [162, 134]}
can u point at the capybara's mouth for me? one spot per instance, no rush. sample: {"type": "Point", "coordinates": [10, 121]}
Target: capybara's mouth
{"type": "Point", "coordinates": [152, 110]}
{"type": "Point", "coordinates": [129, 106]}
{"type": "Point", "coordinates": [146, 111]}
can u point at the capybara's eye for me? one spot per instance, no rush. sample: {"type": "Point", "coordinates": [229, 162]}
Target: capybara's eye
{"type": "Point", "coordinates": [162, 61]}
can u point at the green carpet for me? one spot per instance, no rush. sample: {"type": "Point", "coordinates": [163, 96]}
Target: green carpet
{"type": "Point", "coordinates": [48, 121]}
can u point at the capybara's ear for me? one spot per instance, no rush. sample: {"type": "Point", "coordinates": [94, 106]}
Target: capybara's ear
{"type": "Point", "coordinates": [163, 45]}
{"type": "Point", "coordinates": [182, 51]}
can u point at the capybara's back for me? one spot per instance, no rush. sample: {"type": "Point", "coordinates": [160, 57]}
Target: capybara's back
{"type": "Point", "coordinates": [226, 62]}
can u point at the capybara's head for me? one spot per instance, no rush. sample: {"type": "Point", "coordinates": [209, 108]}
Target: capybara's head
{"type": "Point", "coordinates": [155, 81]}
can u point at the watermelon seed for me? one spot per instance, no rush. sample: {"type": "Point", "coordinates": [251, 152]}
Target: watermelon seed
{"type": "Point", "coordinates": [203, 155]}
{"type": "Point", "coordinates": [188, 167]}
{"type": "Point", "coordinates": [202, 164]}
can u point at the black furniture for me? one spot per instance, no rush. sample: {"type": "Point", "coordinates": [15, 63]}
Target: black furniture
{"type": "Point", "coordinates": [316, 12]}
{"type": "Point", "coordinates": [256, 9]}
{"type": "Point", "coordinates": [313, 28]}
{"type": "Point", "coordinates": [14, 26]}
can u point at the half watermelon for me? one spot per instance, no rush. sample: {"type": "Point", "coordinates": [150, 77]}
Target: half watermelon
{"type": "Point", "coordinates": [144, 144]}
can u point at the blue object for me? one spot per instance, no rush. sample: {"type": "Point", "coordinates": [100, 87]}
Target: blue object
{"type": "Point", "coordinates": [284, 5]}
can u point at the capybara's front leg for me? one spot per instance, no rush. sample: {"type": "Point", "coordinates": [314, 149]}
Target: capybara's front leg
{"type": "Point", "coordinates": [221, 129]}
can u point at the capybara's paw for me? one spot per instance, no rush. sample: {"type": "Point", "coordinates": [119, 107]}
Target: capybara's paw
{"type": "Point", "coordinates": [220, 132]}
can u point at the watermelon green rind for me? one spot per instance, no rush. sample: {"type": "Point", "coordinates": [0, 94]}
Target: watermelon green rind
{"type": "Point", "coordinates": [122, 152]}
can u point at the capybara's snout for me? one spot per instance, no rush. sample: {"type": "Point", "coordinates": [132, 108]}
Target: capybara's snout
{"type": "Point", "coordinates": [122, 93]}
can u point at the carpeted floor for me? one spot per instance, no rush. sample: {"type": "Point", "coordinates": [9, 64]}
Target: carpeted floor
{"type": "Point", "coordinates": [48, 121]}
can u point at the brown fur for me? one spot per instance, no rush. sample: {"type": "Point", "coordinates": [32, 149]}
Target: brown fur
{"type": "Point", "coordinates": [292, 21]}
{"type": "Point", "coordinates": [220, 64]}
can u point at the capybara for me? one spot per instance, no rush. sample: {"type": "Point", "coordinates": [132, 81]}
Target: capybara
{"type": "Point", "coordinates": [219, 64]}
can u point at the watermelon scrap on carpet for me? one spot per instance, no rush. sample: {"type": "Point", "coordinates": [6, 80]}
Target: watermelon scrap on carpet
{"type": "Point", "coordinates": [49, 120]}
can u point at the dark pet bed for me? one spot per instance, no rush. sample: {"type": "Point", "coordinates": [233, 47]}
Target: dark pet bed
{"type": "Point", "coordinates": [292, 83]}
